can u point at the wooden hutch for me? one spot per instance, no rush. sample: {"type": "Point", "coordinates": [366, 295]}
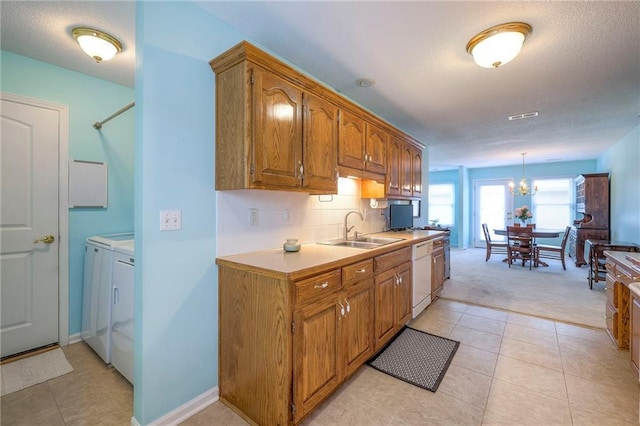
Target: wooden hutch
{"type": "Point", "coordinates": [592, 202]}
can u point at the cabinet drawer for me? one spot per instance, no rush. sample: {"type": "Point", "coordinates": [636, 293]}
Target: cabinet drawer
{"type": "Point", "coordinates": [612, 321]}
{"type": "Point", "coordinates": [390, 260]}
{"type": "Point", "coordinates": [318, 286]}
{"type": "Point", "coordinates": [357, 272]}
{"type": "Point", "coordinates": [625, 275]}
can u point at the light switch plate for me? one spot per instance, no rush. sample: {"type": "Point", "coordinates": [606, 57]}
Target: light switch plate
{"type": "Point", "coordinates": [170, 220]}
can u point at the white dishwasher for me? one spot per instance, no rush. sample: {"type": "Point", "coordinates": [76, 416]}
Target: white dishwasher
{"type": "Point", "coordinates": [421, 256]}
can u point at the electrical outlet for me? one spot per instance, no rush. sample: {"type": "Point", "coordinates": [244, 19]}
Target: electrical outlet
{"type": "Point", "coordinates": [170, 220]}
{"type": "Point", "coordinates": [253, 217]}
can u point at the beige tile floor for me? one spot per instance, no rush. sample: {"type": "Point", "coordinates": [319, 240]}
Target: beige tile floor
{"type": "Point", "coordinates": [92, 394]}
{"type": "Point", "coordinates": [510, 369]}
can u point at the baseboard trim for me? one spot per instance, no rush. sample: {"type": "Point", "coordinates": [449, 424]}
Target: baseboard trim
{"type": "Point", "coordinates": [186, 410]}
{"type": "Point", "coordinates": [75, 338]}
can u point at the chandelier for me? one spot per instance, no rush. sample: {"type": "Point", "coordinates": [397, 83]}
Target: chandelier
{"type": "Point", "coordinates": [523, 188]}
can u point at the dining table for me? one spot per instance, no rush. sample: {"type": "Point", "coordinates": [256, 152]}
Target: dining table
{"type": "Point", "coordinates": [536, 233]}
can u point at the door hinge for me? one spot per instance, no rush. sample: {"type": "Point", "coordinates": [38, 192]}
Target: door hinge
{"type": "Point", "coordinates": [251, 169]}
{"type": "Point", "coordinates": [251, 78]}
{"type": "Point", "coordinates": [293, 327]}
{"type": "Point", "coordinates": [293, 409]}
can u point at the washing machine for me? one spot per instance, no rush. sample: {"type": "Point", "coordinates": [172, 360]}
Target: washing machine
{"type": "Point", "coordinates": [97, 292]}
{"type": "Point", "coordinates": [122, 309]}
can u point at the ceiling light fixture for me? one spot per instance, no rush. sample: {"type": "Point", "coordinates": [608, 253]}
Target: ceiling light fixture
{"type": "Point", "coordinates": [498, 45]}
{"type": "Point", "coordinates": [523, 188]}
{"type": "Point", "coordinates": [97, 44]}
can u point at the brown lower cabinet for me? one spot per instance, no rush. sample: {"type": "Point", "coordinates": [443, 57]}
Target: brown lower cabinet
{"type": "Point", "coordinates": [618, 302]}
{"type": "Point", "coordinates": [635, 335]}
{"type": "Point", "coordinates": [437, 269]}
{"type": "Point", "coordinates": [285, 345]}
{"type": "Point", "coordinates": [393, 296]}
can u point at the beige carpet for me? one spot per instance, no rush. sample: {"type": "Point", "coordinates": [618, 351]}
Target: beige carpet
{"type": "Point", "coordinates": [544, 292]}
{"type": "Point", "coordinates": [30, 371]}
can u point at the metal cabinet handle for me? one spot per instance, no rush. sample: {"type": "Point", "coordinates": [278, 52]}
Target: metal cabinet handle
{"type": "Point", "coordinates": [361, 271]}
{"type": "Point", "coordinates": [323, 285]}
{"type": "Point", "coordinates": [341, 308]}
{"type": "Point", "coordinates": [47, 239]}
{"type": "Point", "coordinates": [348, 305]}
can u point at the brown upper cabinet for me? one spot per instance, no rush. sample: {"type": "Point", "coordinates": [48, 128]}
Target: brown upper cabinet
{"type": "Point", "coordinates": [362, 146]}
{"type": "Point", "coordinates": [279, 129]}
{"type": "Point", "coordinates": [404, 169]}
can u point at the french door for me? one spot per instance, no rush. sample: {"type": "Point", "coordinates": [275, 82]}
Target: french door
{"type": "Point", "coordinates": [493, 205]}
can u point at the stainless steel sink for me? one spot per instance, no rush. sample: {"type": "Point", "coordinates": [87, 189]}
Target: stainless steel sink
{"type": "Point", "coordinates": [356, 244]}
{"type": "Point", "coordinates": [362, 242]}
{"type": "Point", "coordinates": [378, 240]}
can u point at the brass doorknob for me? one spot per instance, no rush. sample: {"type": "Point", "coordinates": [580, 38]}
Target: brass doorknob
{"type": "Point", "coordinates": [47, 239]}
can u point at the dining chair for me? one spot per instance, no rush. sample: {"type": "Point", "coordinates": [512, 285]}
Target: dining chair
{"type": "Point", "coordinates": [520, 245]}
{"type": "Point", "coordinates": [555, 252]}
{"type": "Point", "coordinates": [498, 248]}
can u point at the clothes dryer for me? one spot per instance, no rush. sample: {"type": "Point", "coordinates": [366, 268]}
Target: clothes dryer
{"type": "Point", "coordinates": [96, 298]}
{"type": "Point", "coordinates": [122, 310]}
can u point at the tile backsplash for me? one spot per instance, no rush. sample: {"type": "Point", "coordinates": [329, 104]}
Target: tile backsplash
{"type": "Point", "coordinates": [282, 215]}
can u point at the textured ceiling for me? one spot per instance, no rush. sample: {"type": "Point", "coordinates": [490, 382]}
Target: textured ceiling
{"type": "Point", "coordinates": [580, 68]}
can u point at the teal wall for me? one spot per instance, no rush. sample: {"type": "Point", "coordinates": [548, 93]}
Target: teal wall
{"type": "Point", "coordinates": [176, 350]}
{"type": "Point", "coordinates": [623, 162]}
{"type": "Point", "coordinates": [88, 100]}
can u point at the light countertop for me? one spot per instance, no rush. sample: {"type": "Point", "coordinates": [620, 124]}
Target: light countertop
{"type": "Point", "coordinates": [313, 256]}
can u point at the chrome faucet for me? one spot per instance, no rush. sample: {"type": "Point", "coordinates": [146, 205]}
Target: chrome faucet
{"type": "Point", "coordinates": [348, 228]}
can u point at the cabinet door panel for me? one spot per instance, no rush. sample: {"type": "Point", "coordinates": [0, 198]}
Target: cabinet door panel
{"type": "Point", "coordinates": [635, 334]}
{"type": "Point", "coordinates": [404, 293]}
{"type": "Point", "coordinates": [357, 325]}
{"type": "Point", "coordinates": [384, 326]}
{"type": "Point", "coordinates": [376, 150]}
{"type": "Point", "coordinates": [351, 141]}
{"type": "Point", "coordinates": [316, 354]}
{"type": "Point", "coordinates": [406, 179]}
{"type": "Point", "coordinates": [417, 172]}
{"type": "Point", "coordinates": [320, 144]}
{"type": "Point", "coordinates": [393, 167]}
{"type": "Point", "coordinates": [437, 271]}
{"type": "Point", "coordinates": [277, 132]}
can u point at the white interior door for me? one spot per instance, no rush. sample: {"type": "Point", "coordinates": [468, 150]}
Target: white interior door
{"type": "Point", "coordinates": [494, 206]}
{"type": "Point", "coordinates": [29, 143]}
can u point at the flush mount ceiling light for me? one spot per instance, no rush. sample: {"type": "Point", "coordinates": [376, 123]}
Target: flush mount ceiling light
{"type": "Point", "coordinates": [97, 44]}
{"type": "Point", "coordinates": [498, 45]}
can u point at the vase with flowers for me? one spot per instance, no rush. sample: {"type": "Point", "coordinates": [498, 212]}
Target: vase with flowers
{"type": "Point", "coordinates": [523, 214]}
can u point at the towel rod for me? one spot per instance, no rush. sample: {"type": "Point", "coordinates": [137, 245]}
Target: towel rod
{"type": "Point", "coordinates": [98, 124]}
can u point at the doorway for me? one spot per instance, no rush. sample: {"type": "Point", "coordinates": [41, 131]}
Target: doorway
{"type": "Point", "coordinates": [493, 205]}
{"type": "Point", "coordinates": [34, 144]}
